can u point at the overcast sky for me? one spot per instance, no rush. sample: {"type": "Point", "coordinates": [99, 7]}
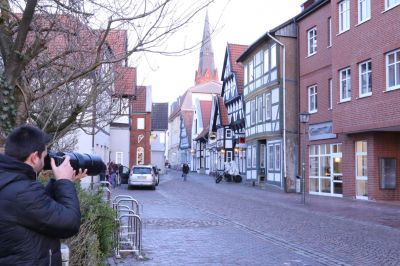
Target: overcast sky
{"type": "Point", "coordinates": [236, 21]}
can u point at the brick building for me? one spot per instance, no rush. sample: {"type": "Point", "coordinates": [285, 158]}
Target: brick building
{"type": "Point", "coordinates": [140, 150]}
{"type": "Point", "coordinates": [349, 83]}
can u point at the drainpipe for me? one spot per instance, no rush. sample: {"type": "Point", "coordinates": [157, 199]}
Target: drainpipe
{"type": "Point", "coordinates": [284, 102]}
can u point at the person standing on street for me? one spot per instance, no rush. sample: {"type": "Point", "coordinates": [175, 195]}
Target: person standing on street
{"type": "Point", "coordinates": [185, 171]}
{"type": "Point", "coordinates": [33, 218]}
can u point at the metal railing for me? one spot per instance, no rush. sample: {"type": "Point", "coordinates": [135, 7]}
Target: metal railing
{"type": "Point", "coordinates": [128, 235]}
{"type": "Point", "coordinates": [105, 187]}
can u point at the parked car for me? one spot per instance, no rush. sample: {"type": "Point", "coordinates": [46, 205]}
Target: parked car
{"type": "Point", "coordinates": [123, 172]}
{"type": "Point", "coordinates": [142, 175]}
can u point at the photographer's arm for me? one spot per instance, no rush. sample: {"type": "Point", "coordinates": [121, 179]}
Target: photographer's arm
{"type": "Point", "coordinates": [57, 215]}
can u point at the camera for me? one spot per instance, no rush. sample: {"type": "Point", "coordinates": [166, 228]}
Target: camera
{"type": "Point", "coordinates": [93, 163]}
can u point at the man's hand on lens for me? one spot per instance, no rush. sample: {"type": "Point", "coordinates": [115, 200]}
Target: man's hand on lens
{"type": "Point", "coordinates": [64, 170]}
{"type": "Point", "coordinates": [78, 176]}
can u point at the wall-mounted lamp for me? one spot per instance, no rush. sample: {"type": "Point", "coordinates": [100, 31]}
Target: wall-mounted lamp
{"type": "Point", "coordinates": [222, 151]}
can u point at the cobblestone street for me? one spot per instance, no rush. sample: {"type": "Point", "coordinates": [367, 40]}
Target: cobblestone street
{"type": "Point", "coordinates": [198, 222]}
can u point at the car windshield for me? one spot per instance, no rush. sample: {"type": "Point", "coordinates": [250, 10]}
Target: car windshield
{"type": "Point", "coordinates": [141, 170]}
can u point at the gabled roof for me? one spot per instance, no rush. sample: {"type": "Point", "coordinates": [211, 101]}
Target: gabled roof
{"type": "Point", "coordinates": [223, 112]}
{"type": "Point", "coordinates": [159, 116]}
{"type": "Point", "coordinates": [185, 101]}
{"type": "Point", "coordinates": [187, 117]}
{"type": "Point", "coordinates": [118, 42]}
{"type": "Point", "coordinates": [233, 51]}
{"type": "Point", "coordinates": [203, 133]}
{"type": "Point", "coordinates": [309, 7]}
{"type": "Point", "coordinates": [125, 81]}
{"type": "Point", "coordinates": [139, 104]}
{"type": "Point", "coordinates": [205, 107]}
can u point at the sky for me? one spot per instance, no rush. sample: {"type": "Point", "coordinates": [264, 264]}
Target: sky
{"type": "Point", "coordinates": [234, 21]}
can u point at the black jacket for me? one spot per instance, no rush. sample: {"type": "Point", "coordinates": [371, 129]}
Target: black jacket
{"type": "Point", "coordinates": [32, 218]}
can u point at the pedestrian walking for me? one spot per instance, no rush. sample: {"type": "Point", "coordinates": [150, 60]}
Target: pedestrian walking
{"type": "Point", "coordinates": [185, 171]}
{"type": "Point", "coordinates": [34, 218]}
{"type": "Point", "coordinates": [112, 171]}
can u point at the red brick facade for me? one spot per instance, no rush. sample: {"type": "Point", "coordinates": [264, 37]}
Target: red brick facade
{"type": "Point", "coordinates": [375, 118]}
{"type": "Point", "coordinates": [140, 138]}
{"type": "Point", "coordinates": [140, 150]}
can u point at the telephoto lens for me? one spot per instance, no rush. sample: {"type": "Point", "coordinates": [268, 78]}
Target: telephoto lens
{"type": "Point", "coordinates": [93, 163]}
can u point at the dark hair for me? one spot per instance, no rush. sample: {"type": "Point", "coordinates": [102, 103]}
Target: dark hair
{"type": "Point", "coordinates": [24, 140]}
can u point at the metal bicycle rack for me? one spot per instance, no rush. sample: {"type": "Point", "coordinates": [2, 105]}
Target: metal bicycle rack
{"type": "Point", "coordinates": [105, 186]}
{"type": "Point", "coordinates": [128, 235]}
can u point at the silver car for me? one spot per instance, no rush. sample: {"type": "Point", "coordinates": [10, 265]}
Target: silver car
{"type": "Point", "coordinates": [142, 175]}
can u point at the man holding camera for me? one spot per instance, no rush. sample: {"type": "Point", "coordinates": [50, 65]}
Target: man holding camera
{"type": "Point", "coordinates": [34, 218]}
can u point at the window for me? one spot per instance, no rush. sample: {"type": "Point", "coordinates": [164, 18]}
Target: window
{"type": "Point", "coordinates": [326, 169]}
{"type": "Point", "coordinates": [229, 156]}
{"type": "Point", "coordinates": [388, 173]}
{"type": "Point", "coordinates": [228, 133]}
{"type": "Point", "coordinates": [266, 61]}
{"type": "Point", "coordinates": [258, 68]}
{"type": "Point", "coordinates": [140, 123]}
{"type": "Point", "coordinates": [344, 15]}
{"type": "Point", "coordinates": [245, 77]}
{"type": "Point", "coordinates": [364, 10]}
{"type": "Point", "coordinates": [312, 99]}
{"type": "Point", "coordinates": [140, 155]}
{"type": "Point", "coordinates": [330, 93]}
{"type": "Point", "coordinates": [312, 41]}
{"type": "Point", "coordinates": [345, 85]}
{"type": "Point", "coordinates": [268, 106]}
{"type": "Point", "coordinates": [329, 31]}
{"type": "Point", "coordinates": [365, 79]}
{"type": "Point", "coordinates": [253, 157]}
{"type": "Point", "coordinates": [260, 108]}
{"type": "Point", "coordinates": [262, 155]}
{"type": "Point", "coordinates": [249, 157]}
{"type": "Point", "coordinates": [393, 70]}
{"type": "Point", "coordinates": [253, 112]}
{"type": "Point", "coordinates": [273, 56]}
{"type": "Point", "coordinates": [361, 170]}
{"type": "Point", "coordinates": [274, 156]}
{"type": "Point", "coordinates": [391, 3]}
{"type": "Point", "coordinates": [119, 157]}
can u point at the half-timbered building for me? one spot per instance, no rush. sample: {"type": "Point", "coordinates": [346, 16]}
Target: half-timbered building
{"type": "Point", "coordinates": [232, 96]}
{"type": "Point", "coordinates": [270, 94]}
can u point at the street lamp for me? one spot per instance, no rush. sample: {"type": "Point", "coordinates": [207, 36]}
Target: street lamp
{"type": "Point", "coordinates": [304, 117]}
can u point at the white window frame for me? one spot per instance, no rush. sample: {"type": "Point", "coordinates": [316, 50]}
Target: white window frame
{"type": "Point", "coordinates": [396, 66]}
{"type": "Point", "coordinates": [262, 155]}
{"type": "Point", "coordinates": [273, 56]}
{"type": "Point", "coordinates": [329, 32]}
{"type": "Point", "coordinates": [312, 99]}
{"type": "Point", "coordinates": [254, 157]}
{"type": "Point", "coordinates": [391, 3]}
{"type": "Point", "coordinates": [268, 106]}
{"type": "Point", "coordinates": [140, 123]}
{"type": "Point", "coordinates": [312, 41]}
{"type": "Point", "coordinates": [229, 156]}
{"type": "Point", "coordinates": [253, 115]}
{"type": "Point", "coordinates": [330, 93]}
{"type": "Point", "coordinates": [228, 133]}
{"type": "Point", "coordinates": [345, 95]}
{"type": "Point", "coordinates": [344, 16]}
{"type": "Point", "coordinates": [260, 109]}
{"type": "Point", "coordinates": [119, 157]}
{"type": "Point", "coordinates": [364, 10]}
{"type": "Point", "coordinates": [363, 178]}
{"type": "Point", "coordinates": [367, 74]}
{"type": "Point", "coordinates": [248, 154]}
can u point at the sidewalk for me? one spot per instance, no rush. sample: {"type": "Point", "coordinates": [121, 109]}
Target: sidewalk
{"type": "Point", "coordinates": [385, 213]}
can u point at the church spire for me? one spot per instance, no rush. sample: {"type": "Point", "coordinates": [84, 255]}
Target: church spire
{"type": "Point", "coordinates": [206, 70]}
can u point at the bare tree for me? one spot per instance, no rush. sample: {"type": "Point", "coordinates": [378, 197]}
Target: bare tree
{"type": "Point", "coordinates": [58, 65]}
